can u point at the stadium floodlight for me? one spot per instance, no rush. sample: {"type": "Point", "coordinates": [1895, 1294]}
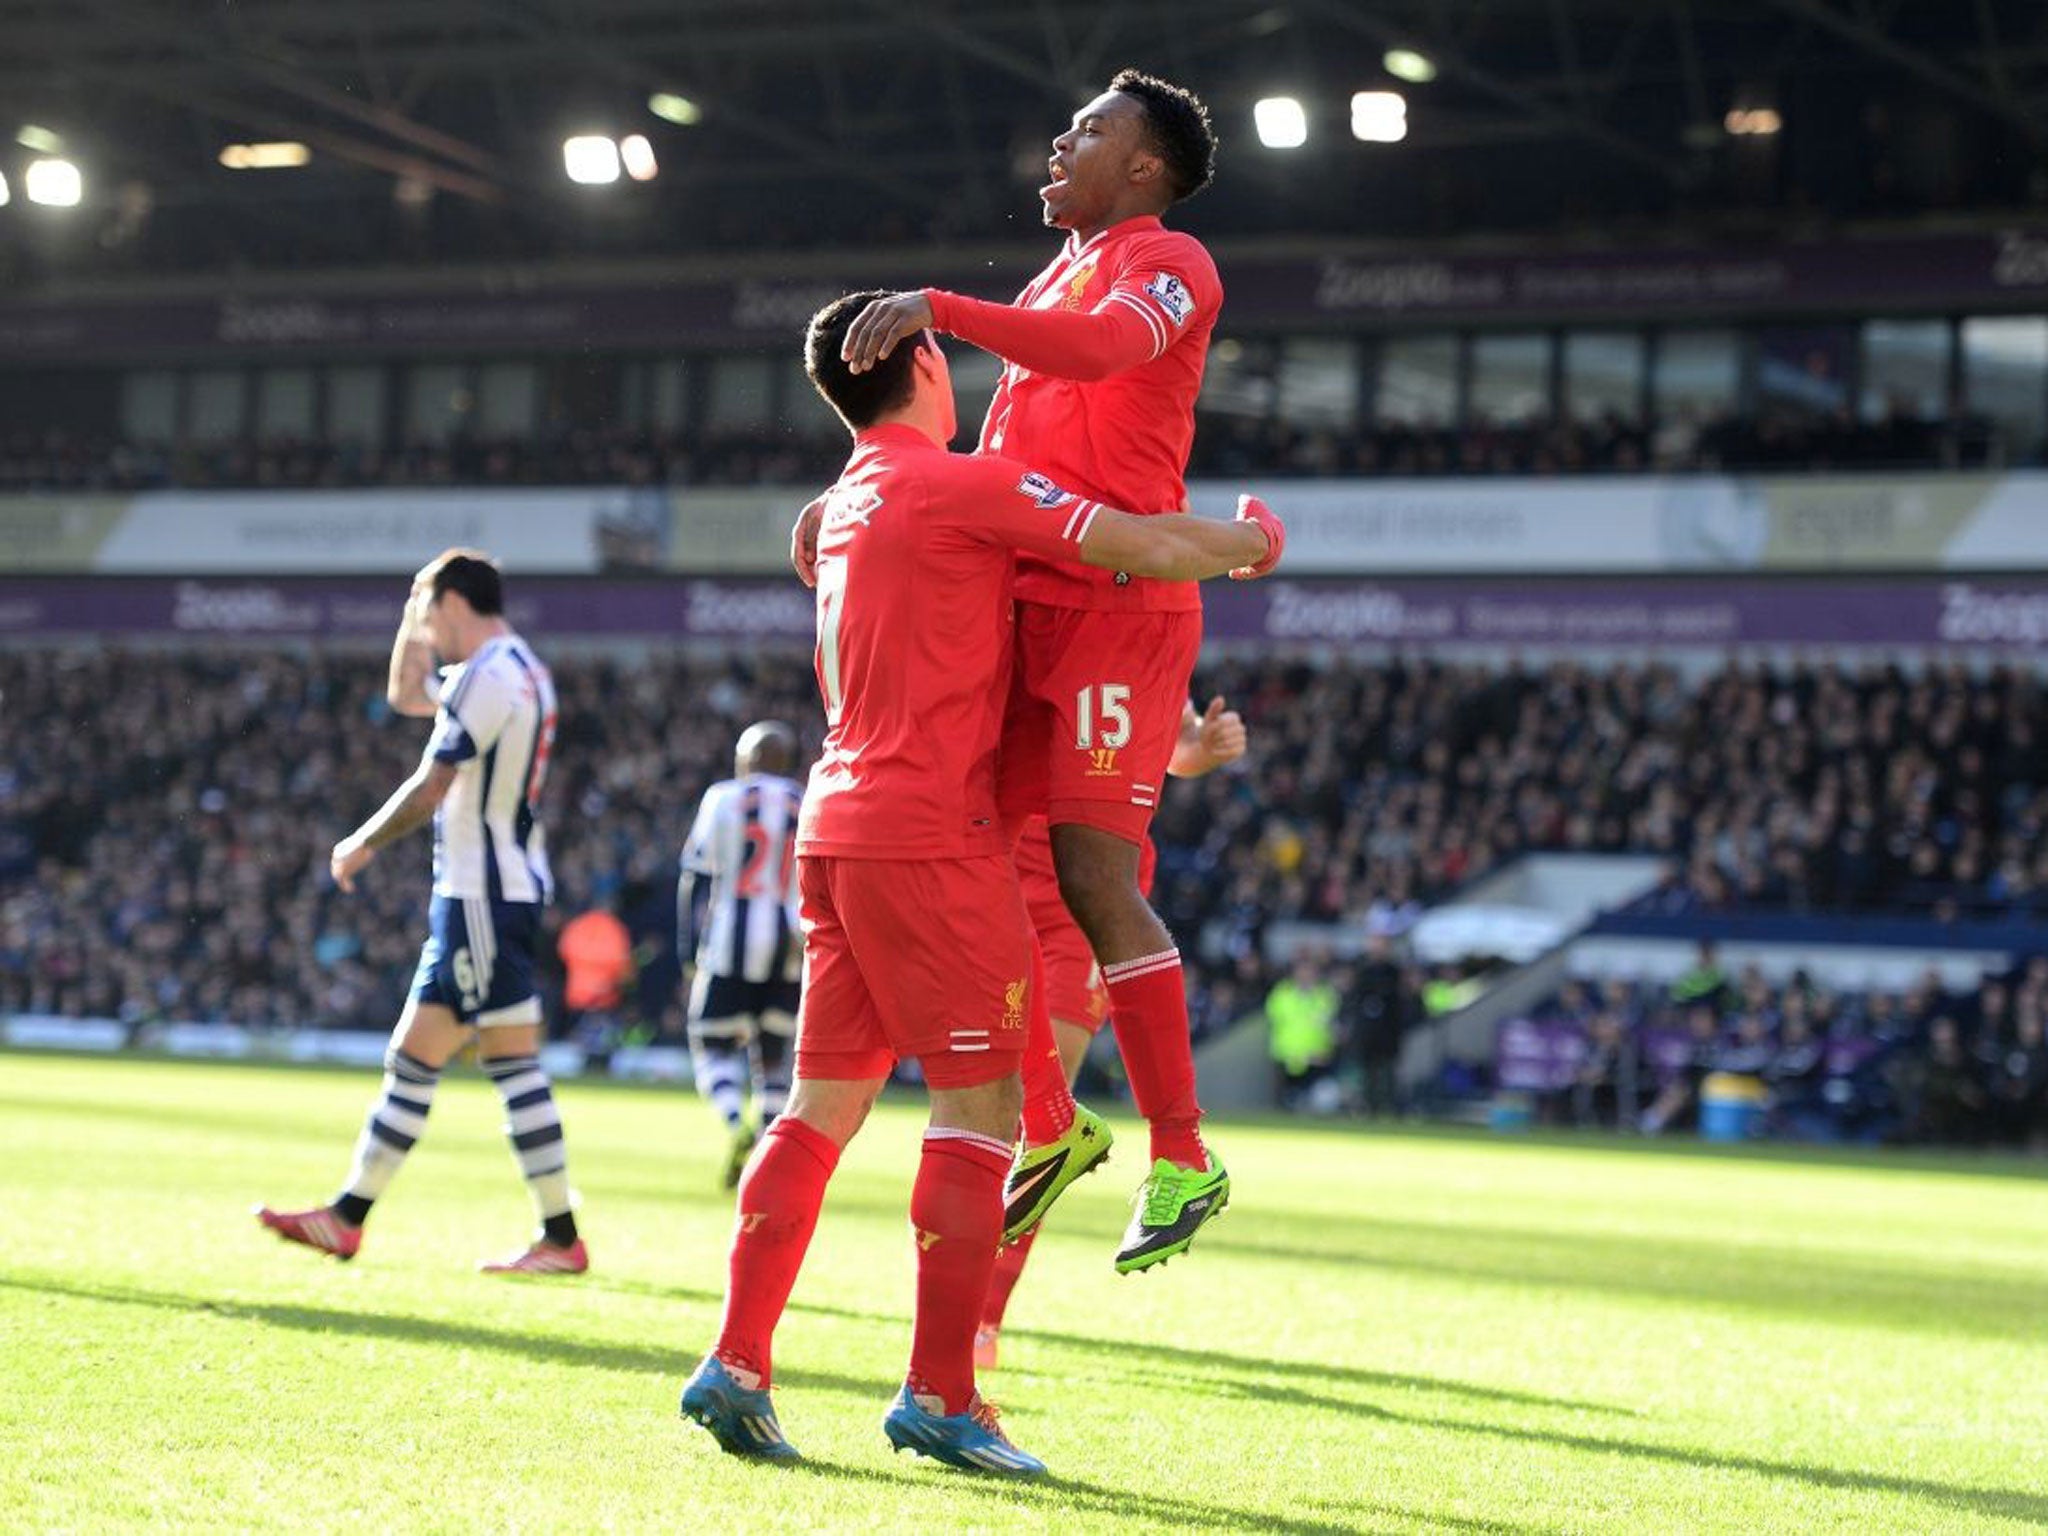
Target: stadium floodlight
{"type": "Point", "coordinates": [591, 159]}
{"type": "Point", "coordinates": [1379, 117]}
{"type": "Point", "coordinates": [282, 155]}
{"type": "Point", "coordinates": [637, 155]}
{"type": "Point", "coordinates": [1753, 122]}
{"type": "Point", "coordinates": [44, 141]}
{"type": "Point", "coordinates": [1281, 122]}
{"type": "Point", "coordinates": [5, 195]}
{"type": "Point", "coordinates": [671, 108]}
{"type": "Point", "coordinates": [1410, 65]}
{"type": "Point", "coordinates": [54, 183]}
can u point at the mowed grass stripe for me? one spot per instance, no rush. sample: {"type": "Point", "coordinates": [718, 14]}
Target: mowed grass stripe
{"type": "Point", "coordinates": [1387, 1332]}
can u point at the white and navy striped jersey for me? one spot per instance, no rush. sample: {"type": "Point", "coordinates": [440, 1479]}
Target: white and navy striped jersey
{"type": "Point", "coordinates": [497, 725]}
{"type": "Point", "coordinates": [744, 840]}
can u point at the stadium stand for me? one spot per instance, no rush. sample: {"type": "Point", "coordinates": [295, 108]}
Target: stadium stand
{"type": "Point", "coordinates": [187, 879]}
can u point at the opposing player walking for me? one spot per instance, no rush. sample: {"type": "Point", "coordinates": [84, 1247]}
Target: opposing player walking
{"type": "Point", "coordinates": [479, 782]}
{"type": "Point", "coordinates": [738, 929]}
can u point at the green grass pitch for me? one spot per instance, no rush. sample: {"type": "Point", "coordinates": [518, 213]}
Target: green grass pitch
{"type": "Point", "coordinates": [1388, 1332]}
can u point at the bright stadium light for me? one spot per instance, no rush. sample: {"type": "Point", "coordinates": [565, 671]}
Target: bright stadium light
{"type": "Point", "coordinates": [1379, 117]}
{"type": "Point", "coordinates": [591, 159]}
{"type": "Point", "coordinates": [280, 156]}
{"type": "Point", "coordinates": [671, 108]}
{"type": "Point", "coordinates": [1281, 122]}
{"type": "Point", "coordinates": [637, 155]}
{"type": "Point", "coordinates": [44, 141]}
{"type": "Point", "coordinates": [1753, 122]}
{"type": "Point", "coordinates": [1407, 64]}
{"type": "Point", "coordinates": [5, 195]}
{"type": "Point", "coordinates": [54, 184]}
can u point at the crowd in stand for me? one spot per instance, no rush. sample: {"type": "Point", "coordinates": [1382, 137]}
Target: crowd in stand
{"type": "Point", "coordinates": [1929, 1065]}
{"type": "Point", "coordinates": [165, 818]}
{"type": "Point", "coordinates": [1225, 447]}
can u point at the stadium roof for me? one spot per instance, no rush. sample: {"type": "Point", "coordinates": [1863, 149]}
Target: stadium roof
{"type": "Point", "coordinates": [435, 127]}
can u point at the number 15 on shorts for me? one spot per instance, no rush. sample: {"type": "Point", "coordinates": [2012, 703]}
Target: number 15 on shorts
{"type": "Point", "coordinates": [1102, 723]}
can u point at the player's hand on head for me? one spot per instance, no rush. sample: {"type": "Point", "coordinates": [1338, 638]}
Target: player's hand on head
{"type": "Point", "coordinates": [803, 541]}
{"type": "Point", "coordinates": [1254, 511]}
{"type": "Point", "coordinates": [348, 859]}
{"type": "Point", "coordinates": [881, 325]}
{"type": "Point", "coordinates": [1222, 733]}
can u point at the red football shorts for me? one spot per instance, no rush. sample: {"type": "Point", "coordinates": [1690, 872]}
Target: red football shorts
{"type": "Point", "coordinates": [926, 958]}
{"type": "Point", "coordinates": [1074, 989]}
{"type": "Point", "coordinates": [1095, 707]}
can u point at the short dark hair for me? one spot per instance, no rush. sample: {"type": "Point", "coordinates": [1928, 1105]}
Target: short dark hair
{"type": "Point", "coordinates": [475, 577]}
{"type": "Point", "coordinates": [860, 398]}
{"type": "Point", "coordinates": [1177, 123]}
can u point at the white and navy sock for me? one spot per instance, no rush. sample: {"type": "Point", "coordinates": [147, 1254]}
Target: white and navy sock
{"type": "Point", "coordinates": [534, 1126]}
{"type": "Point", "coordinates": [396, 1121]}
{"type": "Point", "coordinates": [773, 1061]}
{"type": "Point", "coordinates": [722, 1069]}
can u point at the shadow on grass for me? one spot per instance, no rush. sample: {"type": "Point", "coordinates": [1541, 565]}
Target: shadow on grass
{"type": "Point", "coordinates": [2028, 1505]}
{"type": "Point", "coordinates": [1262, 1367]}
{"type": "Point", "coordinates": [1057, 1495]}
{"type": "Point", "coordinates": [1797, 1284]}
{"type": "Point", "coordinates": [596, 1354]}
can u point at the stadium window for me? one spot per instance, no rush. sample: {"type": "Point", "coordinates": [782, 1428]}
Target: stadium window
{"type": "Point", "coordinates": [1418, 382]}
{"type": "Point", "coordinates": [1906, 369]}
{"type": "Point", "coordinates": [1318, 382]}
{"type": "Point", "coordinates": [438, 403]}
{"type": "Point", "coordinates": [1603, 375]}
{"type": "Point", "coordinates": [668, 394]}
{"type": "Point", "coordinates": [808, 419]}
{"type": "Point", "coordinates": [1239, 380]}
{"type": "Point", "coordinates": [507, 399]}
{"type": "Point", "coordinates": [149, 406]}
{"type": "Point", "coordinates": [355, 405]}
{"type": "Point", "coordinates": [1510, 379]}
{"type": "Point", "coordinates": [1803, 370]}
{"type": "Point", "coordinates": [2005, 378]}
{"type": "Point", "coordinates": [285, 402]}
{"type": "Point", "coordinates": [1698, 374]}
{"type": "Point", "coordinates": [216, 406]}
{"type": "Point", "coordinates": [739, 399]}
{"type": "Point", "coordinates": [974, 384]}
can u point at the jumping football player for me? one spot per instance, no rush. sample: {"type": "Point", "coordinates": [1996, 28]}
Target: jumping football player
{"type": "Point", "coordinates": [479, 783]}
{"type": "Point", "coordinates": [1105, 351]}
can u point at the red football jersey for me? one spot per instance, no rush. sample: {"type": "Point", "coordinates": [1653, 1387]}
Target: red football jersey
{"type": "Point", "coordinates": [916, 568]}
{"type": "Point", "coordinates": [1121, 435]}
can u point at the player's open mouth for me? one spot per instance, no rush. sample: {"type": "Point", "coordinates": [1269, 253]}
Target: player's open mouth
{"type": "Point", "coordinates": [1058, 175]}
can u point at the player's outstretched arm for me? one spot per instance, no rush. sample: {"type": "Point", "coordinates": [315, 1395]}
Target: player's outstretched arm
{"type": "Point", "coordinates": [411, 806]}
{"type": "Point", "coordinates": [1058, 343]}
{"type": "Point", "coordinates": [1082, 345]}
{"type": "Point", "coordinates": [1176, 547]}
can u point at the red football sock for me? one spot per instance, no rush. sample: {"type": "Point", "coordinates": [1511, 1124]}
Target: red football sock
{"type": "Point", "coordinates": [1148, 1003]}
{"type": "Point", "coordinates": [956, 1215]}
{"type": "Point", "coordinates": [779, 1198]}
{"type": "Point", "coordinates": [1048, 1101]}
{"type": "Point", "coordinates": [1008, 1271]}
